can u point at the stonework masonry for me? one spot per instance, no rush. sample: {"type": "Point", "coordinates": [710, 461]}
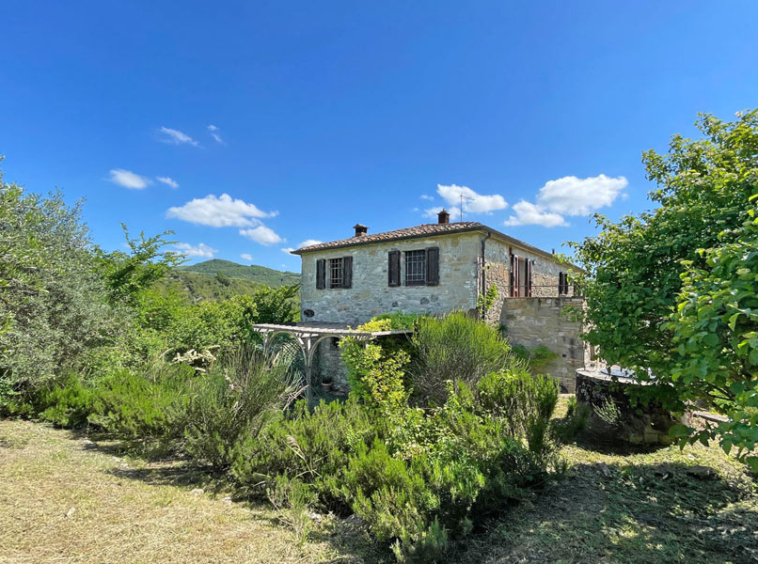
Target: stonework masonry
{"type": "Point", "coordinates": [531, 322]}
{"type": "Point", "coordinates": [371, 295]}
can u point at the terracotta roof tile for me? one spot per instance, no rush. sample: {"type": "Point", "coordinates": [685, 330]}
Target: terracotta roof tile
{"type": "Point", "coordinates": [425, 230]}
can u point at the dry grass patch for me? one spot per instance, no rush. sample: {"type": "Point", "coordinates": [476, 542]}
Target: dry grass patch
{"type": "Point", "coordinates": [66, 500]}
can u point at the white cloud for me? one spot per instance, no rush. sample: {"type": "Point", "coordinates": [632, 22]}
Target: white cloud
{"type": "Point", "coordinates": [247, 256]}
{"type": "Point", "coordinates": [531, 214]}
{"type": "Point", "coordinates": [168, 181]}
{"type": "Point", "coordinates": [426, 197]}
{"type": "Point", "coordinates": [306, 243]}
{"type": "Point", "coordinates": [129, 179]}
{"type": "Point", "coordinates": [580, 196]}
{"type": "Point", "coordinates": [472, 201]}
{"type": "Point", "coordinates": [223, 211]}
{"type": "Point", "coordinates": [309, 242]}
{"type": "Point", "coordinates": [567, 196]}
{"type": "Point", "coordinates": [201, 250]}
{"type": "Point", "coordinates": [176, 137]}
{"type": "Point", "coordinates": [262, 235]}
{"type": "Point", "coordinates": [215, 134]}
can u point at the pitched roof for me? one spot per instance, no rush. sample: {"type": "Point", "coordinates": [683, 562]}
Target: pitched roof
{"type": "Point", "coordinates": [425, 230]}
{"type": "Point", "coordinates": [405, 233]}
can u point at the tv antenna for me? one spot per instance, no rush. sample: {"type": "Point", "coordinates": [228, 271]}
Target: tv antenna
{"type": "Point", "coordinates": [468, 199]}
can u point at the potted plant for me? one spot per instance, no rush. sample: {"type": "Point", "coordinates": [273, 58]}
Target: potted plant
{"type": "Point", "coordinates": [326, 383]}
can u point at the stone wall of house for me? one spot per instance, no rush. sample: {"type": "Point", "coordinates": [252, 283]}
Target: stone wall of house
{"type": "Point", "coordinates": [371, 294]}
{"type": "Point", "coordinates": [545, 275]}
{"type": "Point", "coordinates": [531, 322]}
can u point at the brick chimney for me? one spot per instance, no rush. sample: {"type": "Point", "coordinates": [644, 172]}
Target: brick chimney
{"type": "Point", "coordinates": [360, 230]}
{"type": "Point", "coordinates": [443, 217]}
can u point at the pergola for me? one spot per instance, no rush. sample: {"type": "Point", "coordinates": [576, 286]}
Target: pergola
{"type": "Point", "coordinates": [308, 336]}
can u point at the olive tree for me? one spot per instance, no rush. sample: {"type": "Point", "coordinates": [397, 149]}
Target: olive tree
{"type": "Point", "coordinates": [52, 301]}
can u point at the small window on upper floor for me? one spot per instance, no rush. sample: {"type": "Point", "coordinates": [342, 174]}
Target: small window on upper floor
{"type": "Point", "coordinates": [563, 285]}
{"type": "Point", "coordinates": [336, 272]}
{"type": "Point", "coordinates": [415, 268]}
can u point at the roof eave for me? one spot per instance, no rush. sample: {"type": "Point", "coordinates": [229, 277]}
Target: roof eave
{"type": "Point", "coordinates": [304, 250]}
{"type": "Point", "coordinates": [473, 228]}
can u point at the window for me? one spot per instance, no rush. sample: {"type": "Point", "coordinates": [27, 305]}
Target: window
{"type": "Point", "coordinates": [563, 285]}
{"type": "Point", "coordinates": [336, 271]}
{"type": "Point", "coordinates": [415, 268]}
{"type": "Point", "coordinates": [521, 277]}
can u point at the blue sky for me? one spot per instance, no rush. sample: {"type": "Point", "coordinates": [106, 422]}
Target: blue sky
{"type": "Point", "coordinates": [332, 113]}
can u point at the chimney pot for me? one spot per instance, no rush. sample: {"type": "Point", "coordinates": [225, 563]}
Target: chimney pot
{"type": "Point", "coordinates": [443, 217]}
{"type": "Point", "coordinates": [360, 230]}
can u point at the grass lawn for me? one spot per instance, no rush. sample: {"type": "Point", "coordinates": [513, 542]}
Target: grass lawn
{"type": "Point", "coordinates": [662, 506]}
{"type": "Point", "coordinates": [66, 499]}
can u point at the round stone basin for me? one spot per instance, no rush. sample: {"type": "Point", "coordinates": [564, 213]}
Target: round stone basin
{"type": "Point", "coordinates": [613, 418]}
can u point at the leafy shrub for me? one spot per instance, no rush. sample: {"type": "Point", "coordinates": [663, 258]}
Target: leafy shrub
{"type": "Point", "coordinates": [541, 358]}
{"type": "Point", "coordinates": [151, 407]}
{"type": "Point", "coordinates": [518, 399]}
{"type": "Point", "coordinates": [313, 447]}
{"type": "Point", "coordinates": [277, 305]}
{"type": "Point", "coordinates": [454, 347]}
{"type": "Point", "coordinates": [375, 372]}
{"type": "Point", "coordinates": [419, 479]}
{"type": "Point", "coordinates": [468, 462]}
{"type": "Point", "coordinates": [398, 320]}
{"type": "Point", "coordinates": [234, 401]}
{"type": "Point", "coordinates": [68, 405]}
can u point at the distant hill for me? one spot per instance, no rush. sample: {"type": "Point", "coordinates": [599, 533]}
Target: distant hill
{"type": "Point", "coordinates": [254, 273]}
{"type": "Point", "coordinates": [220, 279]}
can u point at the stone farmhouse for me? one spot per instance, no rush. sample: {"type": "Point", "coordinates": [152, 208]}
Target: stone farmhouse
{"type": "Point", "coordinates": [438, 268]}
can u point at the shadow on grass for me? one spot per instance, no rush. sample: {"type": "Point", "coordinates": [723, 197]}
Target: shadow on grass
{"type": "Point", "coordinates": [588, 441]}
{"type": "Point", "coordinates": [646, 513]}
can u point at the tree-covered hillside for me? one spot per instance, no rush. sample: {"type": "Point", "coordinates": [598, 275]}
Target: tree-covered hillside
{"type": "Point", "coordinates": [254, 273]}
{"type": "Point", "coordinates": [222, 279]}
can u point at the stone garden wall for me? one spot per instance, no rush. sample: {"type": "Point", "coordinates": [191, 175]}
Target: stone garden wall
{"type": "Point", "coordinates": [613, 418]}
{"type": "Point", "coordinates": [531, 322]}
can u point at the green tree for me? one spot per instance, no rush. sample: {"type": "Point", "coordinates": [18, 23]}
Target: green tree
{"type": "Point", "coordinates": [53, 304]}
{"type": "Point", "coordinates": [277, 305]}
{"type": "Point", "coordinates": [715, 330]}
{"type": "Point", "coordinates": [634, 267]}
{"type": "Point", "coordinates": [128, 274]}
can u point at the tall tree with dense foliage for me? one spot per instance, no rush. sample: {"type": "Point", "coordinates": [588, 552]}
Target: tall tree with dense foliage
{"type": "Point", "coordinates": [641, 268]}
{"type": "Point", "coordinates": [52, 300]}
